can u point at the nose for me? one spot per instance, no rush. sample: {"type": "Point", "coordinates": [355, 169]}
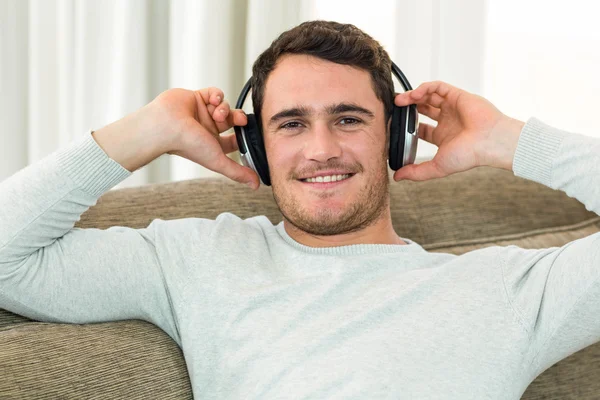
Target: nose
{"type": "Point", "coordinates": [322, 144]}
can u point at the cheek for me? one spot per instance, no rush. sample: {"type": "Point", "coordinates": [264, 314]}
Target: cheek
{"type": "Point", "coordinates": [280, 160]}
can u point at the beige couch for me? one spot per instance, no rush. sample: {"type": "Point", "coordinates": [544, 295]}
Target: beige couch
{"type": "Point", "coordinates": [135, 360]}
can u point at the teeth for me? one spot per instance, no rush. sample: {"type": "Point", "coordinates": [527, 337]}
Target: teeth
{"type": "Point", "coordinates": [329, 178]}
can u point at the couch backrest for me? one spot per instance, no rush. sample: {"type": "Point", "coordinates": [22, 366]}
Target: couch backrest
{"type": "Point", "coordinates": [478, 208]}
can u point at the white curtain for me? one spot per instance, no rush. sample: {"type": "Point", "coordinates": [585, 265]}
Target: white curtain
{"type": "Point", "coordinates": [67, 66]}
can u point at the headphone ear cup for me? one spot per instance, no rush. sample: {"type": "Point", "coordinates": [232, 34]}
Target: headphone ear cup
{"type": "Point", "coordinates": [397, 137]}
{"type": "Point", "coordinates": [256, 149]}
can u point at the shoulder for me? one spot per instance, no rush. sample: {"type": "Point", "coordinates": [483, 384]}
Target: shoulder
{"type": "Point", "coordinates": [227, 224]}
{"type": "Point", "coordinates": [512, 261]}
{"type": "Point", "coordinates": [505, 252]}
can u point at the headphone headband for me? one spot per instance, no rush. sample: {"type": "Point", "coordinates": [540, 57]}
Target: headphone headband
{"type": "Point", "coordinates": [243, 94]}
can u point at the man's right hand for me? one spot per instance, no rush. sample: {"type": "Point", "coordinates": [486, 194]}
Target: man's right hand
{"type": "Point", "coordinates": [182, 122]}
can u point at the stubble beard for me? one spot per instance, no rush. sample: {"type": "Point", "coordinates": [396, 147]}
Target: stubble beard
{"type": "Point", "coordinates": [365, 211]}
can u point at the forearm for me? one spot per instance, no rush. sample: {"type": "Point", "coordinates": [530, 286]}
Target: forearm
{"type": "Point", "coordinates": [52, 272]}
{"type": "Point", "coordinates": [561, 160]}
{"type": "Point", "coordinates": [43, 201]}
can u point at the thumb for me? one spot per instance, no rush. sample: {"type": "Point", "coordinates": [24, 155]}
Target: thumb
{"type": "Point", "coordinates": [237, 172]}
{"type": "Point", "coordinates": [419, 172]}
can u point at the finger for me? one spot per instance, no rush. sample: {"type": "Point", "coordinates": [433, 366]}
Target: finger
{"type": "Point", "coordinates": [429, 111]}
{"type": "Point", "coordinates": [233, 118]}
{"type": "Point", "coordinates": [428, 88]}
{"type": "Point", "coordinates": [239, 118]}
{"type": "Point", "coordinates": [228, 143]}
{"type": "Point", "coordinates": [403, 99]}
{"type": "Point", "coordinates": [432, 99]}
{"type": "Point", "coordinates": [433, 93]}
{"type": "Point", "coordinates": [221, 112]}
{"type": "Point", "coordinates": [419, 172]}
{"type": "Point", "coordinates": [237, 172]}
{"type": "Point", "coordinates": [205, 117]}
{"type": "Point", "coordinates": [211, 95]}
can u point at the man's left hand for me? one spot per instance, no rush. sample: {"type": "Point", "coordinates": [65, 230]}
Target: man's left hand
{"type": "Point", "coordinates": [470, 132]}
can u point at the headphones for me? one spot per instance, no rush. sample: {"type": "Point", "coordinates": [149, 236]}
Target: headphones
{"type": "Point", "coordinates": [403, 134]}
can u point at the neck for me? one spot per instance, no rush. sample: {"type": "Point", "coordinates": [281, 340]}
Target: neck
{"type": "Point", "coordinates": [380, 232]}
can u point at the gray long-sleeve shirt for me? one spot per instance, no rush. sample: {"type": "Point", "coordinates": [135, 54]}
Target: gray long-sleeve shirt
{"type": "Point", "coordinates": [260, 316]}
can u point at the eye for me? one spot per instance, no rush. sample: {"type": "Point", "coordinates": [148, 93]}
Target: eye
{"type": "Point", "coordinates": [349, 121]}
{"type": "Point", "coordinates": [291, 125]}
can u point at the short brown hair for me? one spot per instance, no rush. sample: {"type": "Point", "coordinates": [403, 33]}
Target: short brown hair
{"type": "Point", "coordinates": [331, 41]}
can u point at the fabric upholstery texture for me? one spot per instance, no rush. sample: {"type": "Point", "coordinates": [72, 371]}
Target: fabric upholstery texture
{"type": "Point", "coordinates": [134, 359]}
{"type": "Point", "coordinates": [119, 360]}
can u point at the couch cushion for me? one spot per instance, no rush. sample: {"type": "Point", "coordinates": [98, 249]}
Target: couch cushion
{"type": "Point", "coordinates": [575, 378]}
{"type": "Point", "coordinates": [117, 360]}
{"type": "Point", "coordinates": [7, 318]}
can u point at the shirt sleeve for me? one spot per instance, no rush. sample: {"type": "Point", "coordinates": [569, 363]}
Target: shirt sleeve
{"type": "Point", "coordinates": [53, 272]}
{"type": "Point", "coordinates": [555, 292]}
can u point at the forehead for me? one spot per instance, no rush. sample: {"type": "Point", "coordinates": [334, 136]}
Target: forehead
{"type": "Point", "coordinates": [303, 80]}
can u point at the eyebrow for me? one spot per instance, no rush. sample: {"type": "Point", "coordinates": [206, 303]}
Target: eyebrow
{"type": "Point", "coordinates": [330, 109]}
{"type": "Point", "coordinates": [290, 112]}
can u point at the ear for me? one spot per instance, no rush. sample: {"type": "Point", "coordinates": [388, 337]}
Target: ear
{"type": "Point", "coordinates": [387, 134]}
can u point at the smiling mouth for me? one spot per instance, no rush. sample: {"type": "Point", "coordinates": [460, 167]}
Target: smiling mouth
{"type": "Point", "coordinates": [327, 178]}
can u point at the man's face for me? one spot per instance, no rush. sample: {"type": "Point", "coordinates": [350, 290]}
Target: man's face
{"type": "Point", "coordinates": [323, 121]}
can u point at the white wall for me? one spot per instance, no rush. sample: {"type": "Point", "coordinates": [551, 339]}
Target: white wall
{"type": "Point", "coordinates": [542, 59]}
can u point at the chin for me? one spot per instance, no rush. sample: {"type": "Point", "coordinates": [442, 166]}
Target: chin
{"type": "Point", "coordinates": [330, 205]}
{"type": "Point", "coordinates": [327, 221]}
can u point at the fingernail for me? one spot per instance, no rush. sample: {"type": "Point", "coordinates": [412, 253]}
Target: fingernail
{"type": "Point", "coordinates": [250, 185]}
{"type": "Point", "coordinates": [219, 99]}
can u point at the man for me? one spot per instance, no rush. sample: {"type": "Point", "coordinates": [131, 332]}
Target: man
{"type": "Point", "coordinates": [330, 303]}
